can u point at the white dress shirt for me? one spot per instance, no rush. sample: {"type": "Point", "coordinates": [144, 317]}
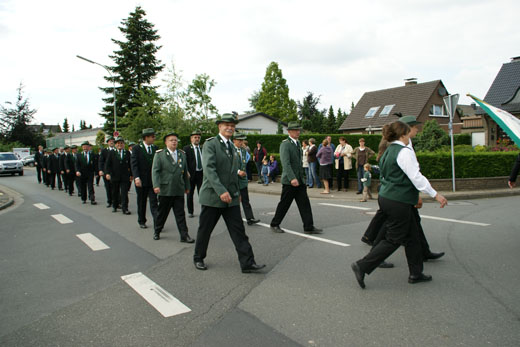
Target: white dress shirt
{"type": "Point", "coordinates": [407, 161]}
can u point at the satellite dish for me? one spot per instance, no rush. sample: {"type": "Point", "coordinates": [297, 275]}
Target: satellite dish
{"type": "Point", "coordinates": [442, 91]}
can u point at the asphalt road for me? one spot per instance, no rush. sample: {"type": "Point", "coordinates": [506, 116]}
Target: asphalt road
{"type": "Point", "coordinates": [57, 291]}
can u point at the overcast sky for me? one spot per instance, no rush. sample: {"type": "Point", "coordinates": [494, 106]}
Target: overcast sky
{"type": "Point", "coordinates": [336, 49]}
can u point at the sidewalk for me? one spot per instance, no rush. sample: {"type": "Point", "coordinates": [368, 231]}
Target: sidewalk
{"type": "Point", "coordinates": [350, 195]}
{"type": "Point", "coordinates": [5, 200]}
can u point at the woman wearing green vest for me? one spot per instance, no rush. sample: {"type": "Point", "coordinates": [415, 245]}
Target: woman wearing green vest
{"type": "Point", "coordinates": [401, 182]}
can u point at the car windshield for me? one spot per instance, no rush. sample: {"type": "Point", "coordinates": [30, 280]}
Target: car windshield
{"type": "Point", "coordinates": [8, 156]}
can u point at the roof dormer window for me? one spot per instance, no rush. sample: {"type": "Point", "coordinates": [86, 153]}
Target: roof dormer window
{"type": "Point", "coordinates": [386, 110]}
{"type": "Point", "coordinates": [371, 113]}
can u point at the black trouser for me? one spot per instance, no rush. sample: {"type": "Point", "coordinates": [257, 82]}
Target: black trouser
{"type": "Point", "coordinates": [342, 175]}
{"type": "Point", "coordinates": [248, 210]}
{"type": "Point", "coordinates": [71, 178]}
{"type": "Point", "coordinates": [209, 217]}
{"type": "Point", "coordinates": [120, 194]}
{"type": "Point", "coordinates": [51, 179]}
{"type": "Point", "coordinates": [144, 194]}
{"type": "Point", "coordinates": [108, 189]}
{"type": "Point", "coordinates": [98, 178]}
{"type": "Point", "coordinates": [331, 179]}
{"type": "Point", "coordinates": [272, 176]}
{"type": "Point", "coordinates": [376, 231]}
{"type": "Point", "coordinates": [65, 181]}
{"type": "Point", "coordinates": [290, 193]}
{"type": "Point", "coordinates": [78, 185]}
{"type": "Point", "coordinates": [195, 182]}
{"type": "Point", "coordinates": [39, 173]}
{"type": "Point", "coordinates": [45, 177]}
{"type": "Point", "coordinates": [60, 184]}
{"type": "Point", "coordinates": [259, 170]}
{"type": "Point", "coordinates": [86, 180]}
{"type": "Point", "coordinates": [401, 229]}
{"type": "Point", "coordinates": [175, 203]}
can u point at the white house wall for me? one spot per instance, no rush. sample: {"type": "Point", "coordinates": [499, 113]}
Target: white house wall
{"type": "Point", "coordinates": [264, 125]}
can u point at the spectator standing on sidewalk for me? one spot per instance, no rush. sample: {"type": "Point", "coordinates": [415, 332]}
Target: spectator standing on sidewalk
{"type": "Point", "coordinates": [361, 154]}
{"type": "Point", "coordinates": [259, 154]}
{"type": "Point", "coordinates": [343, 161]}
{"type": "Point", "coordinates": [311, 159]}
{"type": "Point", "coordinates": [305, 161]}
{"type": "Point", "coordinates": [325, 154]}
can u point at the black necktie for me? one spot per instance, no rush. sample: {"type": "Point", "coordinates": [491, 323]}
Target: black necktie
{"type": "Point", "coordinates": [229, 147]}
{"type": "Point", "coordinates": [199, 159]}
{"type": "Point", "coordinates": [150, 150]}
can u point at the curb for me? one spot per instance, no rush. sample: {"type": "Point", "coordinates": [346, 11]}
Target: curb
{"type": "Point", "coordinates": [9, 202]}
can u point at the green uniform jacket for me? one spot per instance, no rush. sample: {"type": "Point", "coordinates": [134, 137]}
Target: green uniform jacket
{"type": "Point", "coordinates": [291, 157]}
{"type": "Point", "coordinates": [171, 178]}
{"type": "Point", "coordinates": [242, 156]}
{"type": "Point", "coordinates": [220, 173]}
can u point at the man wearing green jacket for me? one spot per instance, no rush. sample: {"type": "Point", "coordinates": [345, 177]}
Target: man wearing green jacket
{"type": "Point", "coordinates": [219, 196]}
{"type": "Point", "coordinates": [293, 183]}
{"type": "Point", "coordinates": [170, 182]}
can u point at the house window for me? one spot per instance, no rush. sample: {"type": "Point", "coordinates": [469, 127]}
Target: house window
{"type": "Point", "coordinates": [372, 112]}
{"type": "Point", "coordinates": [386, 110]}
{"type": "Point", "coordinates": [437, 111]}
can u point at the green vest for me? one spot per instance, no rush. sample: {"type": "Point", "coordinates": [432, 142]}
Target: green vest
{"type": "Point", "coordinates": [242, 154]}
{"type": "Point", "coordinates": [395, 185]}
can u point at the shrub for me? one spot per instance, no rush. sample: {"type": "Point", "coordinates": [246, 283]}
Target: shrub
{"type": "Point", "coordinates": [463, 148]}
{"type": "Point", "coordinates": [461, 139]}
{"type": "Point", "coordinates": [431, 137]}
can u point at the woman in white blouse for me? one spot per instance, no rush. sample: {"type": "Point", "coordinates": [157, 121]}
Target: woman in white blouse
{"type": "Point", "coordinates": [343, 162]}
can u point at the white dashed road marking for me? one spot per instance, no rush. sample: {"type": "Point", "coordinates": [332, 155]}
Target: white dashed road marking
{"type": "Point", "coordinates": [42, 206]}
{"type": "Point", "coordinates": [93, 242]}
{"type": "Point", "coordinates": [347, 206]}
{"type": "Point", "coordinates": [156, 296]}
{"type": "Point", "coordinates": [61, 218]}
{"type": "Point", "coordinates": [308, 236]}
{"type": "Point", "coordinates": [422, 215]}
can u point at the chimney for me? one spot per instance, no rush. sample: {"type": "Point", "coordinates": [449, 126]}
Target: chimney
{"type": "Point", "coordinates": [515, 59]}
{"type": "Point", "coordinates": [410, 81]}
{"type": "Point", "coordinates": [473, 106]}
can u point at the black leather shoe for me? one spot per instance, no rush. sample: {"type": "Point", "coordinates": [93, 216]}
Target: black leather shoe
{"type": "Point", "coordinates": [142, 226]}
{"type": "Point", "coordinates": [93, 203]}
{"type": "Point", "coordinates": [366, 240]}
{"type": "Point", "coordinates": [199, 265]}
{"type": "Point", "coordinates": [433, 256]}
{"type": "Point", "coordinates": [252, 221]}
{"type": "Point", "coordinates": [386, 265]}
{"type": "Point", "coordinates": [156, 236]}
{"type": "Point", "coordinates": [109, 205]}
{"type": "Point", "coordinates": [419, 278]}
{"type": "Point", "coordinates": [277, 229]}
{"type": "Point", "coordinates": [252, 268]}
{"type": "Point", "coordinates": [84, 202]}
{"type": "Point", "coordinates": [114, 210]}
{"type": "Point", "coordinates": [187, 239]}
{"type": "Point", "coordinates": [191, 215]}
{"type": "Point", "coordinates": [126, 212]}
{"type": "Point", "coordinates": [313, 230]}
{"type": "Point", "coordinates": [360, 275]}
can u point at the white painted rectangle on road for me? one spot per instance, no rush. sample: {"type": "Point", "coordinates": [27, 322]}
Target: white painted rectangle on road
{"type": "Point", "coordinates": [93, 242]}
{"type": "Point", "coordinates": [42, 206]}
{"type": "Point", "coordinates": [61, 218]}
{"type": "Point", "coordinates": [308, 236]}
{"type": "Point", "coordinates": [455, 220]}
{"type": "Point", "coordinates": [347, 206]}
{"type": "Point", "coordinates": [160, 299]}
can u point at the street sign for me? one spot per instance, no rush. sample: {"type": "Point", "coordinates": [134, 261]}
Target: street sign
{"type": "Point", "coordinates": [116, 133]}
{"type": "Point", "coordinates": [451, 101]}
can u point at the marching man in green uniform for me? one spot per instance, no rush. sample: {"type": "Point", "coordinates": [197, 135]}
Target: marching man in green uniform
{"type": "Point", "coordinates": [243, 157]}
{"type": "Point", "coordinates": [293, 183]}
{"type": "Point", "coordinates": [219, 196]}
{"type": "Point", "coordinates": [170, 182]}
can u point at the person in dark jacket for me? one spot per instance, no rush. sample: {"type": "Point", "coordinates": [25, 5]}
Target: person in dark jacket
{"type": "Point", "coordinates": [38, 162]}
{"type": "Point", "coordinates": [259, 154]}
{"type": "Point", "coordinates": [86, 164]}
{"type": "Point", "coordinates": [117, 171]}
{"type": "Point", "coordinates": [142, 160]}
{"type": "Point", "coordinates": [45, 160]}
{"type": "Point", "coordinates": [102, 160]}
{"type": "Point", "coordinates": [68, 164]}
{"type": "Point", "coordinates": [194, 159]}
{"type": "Point", "coordinates": [514, 173]}
{"type": "Point", "coordinates": [64, 177]}
{"type": "Point", "coordinates": [311, 159]}
{"type": "Point", "coordinates": [53, 167]}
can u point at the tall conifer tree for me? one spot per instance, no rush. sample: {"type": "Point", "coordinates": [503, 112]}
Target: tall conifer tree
{"type": "Point", "coordinates": [273, 98]}
{"type": "Point", "coordinates": [135, 65]}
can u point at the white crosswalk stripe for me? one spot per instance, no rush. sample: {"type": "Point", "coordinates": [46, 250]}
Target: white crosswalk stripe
{"type": "Point", "coordinates": [93, 242]}
{"type": "Point", "coordinates": [62, 219]}
{"type": "Point", "coordinates": [160, 299]}
{"type": "Point", "coordinates": [42, 206]}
